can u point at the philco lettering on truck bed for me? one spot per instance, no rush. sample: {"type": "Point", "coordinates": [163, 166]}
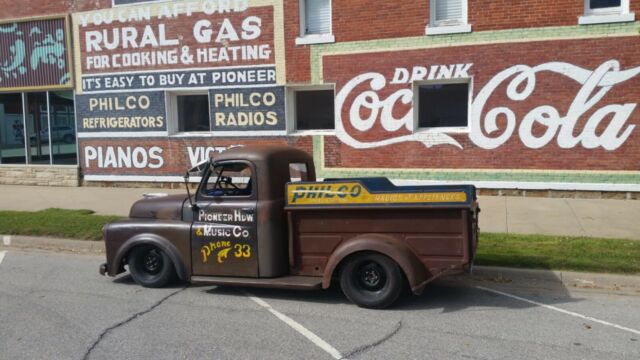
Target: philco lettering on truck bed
{"type": "Point", "coordinates": [355, 193]}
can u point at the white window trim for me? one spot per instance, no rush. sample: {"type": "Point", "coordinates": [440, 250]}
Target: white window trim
{"type": "Point", "coordinates": [447, 129]}
{"type": "Point", "coordinates": [290, 106]}
{"type": "Point", "coordinates": [607, 15]}
{"type": "Point", "coordinates": [310, 39]}
{"type": "Point", "coordinates": [171, 109]}
{"type": "Point", "coordinates": [447, 26]}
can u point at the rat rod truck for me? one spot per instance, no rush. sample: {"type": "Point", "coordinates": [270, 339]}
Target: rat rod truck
{"type": "Point", "coordinates": [260, 218]}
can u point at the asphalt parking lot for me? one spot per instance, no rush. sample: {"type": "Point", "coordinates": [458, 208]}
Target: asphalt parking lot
{"type": "Point", "coordinates": [56, 306]}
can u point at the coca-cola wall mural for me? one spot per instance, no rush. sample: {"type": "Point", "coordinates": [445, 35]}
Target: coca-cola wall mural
{"type": "Point", "coordinates": [561, 106]}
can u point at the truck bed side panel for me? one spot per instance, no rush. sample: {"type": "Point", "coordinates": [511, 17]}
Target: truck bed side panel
{"type": "Point", "coordinates": [438, 237]}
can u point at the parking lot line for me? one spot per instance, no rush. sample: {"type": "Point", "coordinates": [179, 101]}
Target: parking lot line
{"type": "Point", "coordinates": [2, 253]}
{"type": "Point", "coordinates": [566, 312]}
{"type": "Point", "coordinates": [296, 326]}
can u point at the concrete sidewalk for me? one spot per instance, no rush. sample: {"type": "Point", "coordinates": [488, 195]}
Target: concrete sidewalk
{"type": "Point", "coordinates": [519, 215]}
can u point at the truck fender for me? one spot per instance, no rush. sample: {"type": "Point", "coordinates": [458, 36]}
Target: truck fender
{"type": "Point", "coordinates": [151, 239]}
{"type": "Point", "coordinates": [412, 267]}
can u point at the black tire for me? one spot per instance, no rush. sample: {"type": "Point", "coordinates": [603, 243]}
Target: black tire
{"type": "Point", "coordinates": [371, 280]}
{"type": "Point", "coordinates": [151, 267]}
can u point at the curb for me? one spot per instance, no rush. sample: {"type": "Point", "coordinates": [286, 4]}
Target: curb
{"type": "Point", "coordinates": [555, 279]}
{"type": "Point", "coordinates": [528, 278]}
{"type": "Point", "coordinates": [52, 244]}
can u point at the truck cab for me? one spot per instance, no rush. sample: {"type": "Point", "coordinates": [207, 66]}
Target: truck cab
{"type": "Point", "coordinates": [259, 218]}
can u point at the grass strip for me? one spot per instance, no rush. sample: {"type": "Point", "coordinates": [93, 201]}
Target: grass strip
{"type": "Point", "coordinates": [59, 223]}
{"type": "Point", "coordinates": [559, 253]}
{"type": "Point", "coordinates": [512, 250]}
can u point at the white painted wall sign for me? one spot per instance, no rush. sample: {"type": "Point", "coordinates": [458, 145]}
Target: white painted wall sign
{"type": "Point", "coordinates": [484, 131]}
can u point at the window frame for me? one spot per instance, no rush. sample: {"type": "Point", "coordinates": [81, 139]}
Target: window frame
{"type": "Point", "coordinates": [309, 39]}
{"type": "Point", "coordinates": [291, 109]}
{"type": "Point", "coordinates": [442, 129]}
{"type": "Point", "coordinates": [201, 194]}
{"type": "Point", "coordinates": [606, 15]}
{"type": "Point", "coordinates": [171, 104]}
{"type": "Point", "coordinates": [461, 25]}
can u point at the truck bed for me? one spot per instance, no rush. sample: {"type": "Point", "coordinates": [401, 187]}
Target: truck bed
{"type": "Point", "coordinates": [437, 223]}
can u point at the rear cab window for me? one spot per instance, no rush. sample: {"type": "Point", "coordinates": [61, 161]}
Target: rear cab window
{"type": "Point", "coordinates": [298, 172]}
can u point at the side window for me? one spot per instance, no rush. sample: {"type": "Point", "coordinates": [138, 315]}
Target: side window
{"type": "Point", "coordinates": [606, 11]}
{"type": "Point", "coordinates": [315, 22]}
{"type": "Point", "coordinates": [229, 179]}
{"type": "Point", "coordinates": [311, 108]}
{"type": "Point", "coordinates": [443, 106]}
{"type": "Point", "coordinates": [298, 172]}
{"type": "Point", "coordinates": [447, 17]}
{"type": "Point", "coordinates": [604, 6]}
{"type": "Point", "coordinates": [190, 113]}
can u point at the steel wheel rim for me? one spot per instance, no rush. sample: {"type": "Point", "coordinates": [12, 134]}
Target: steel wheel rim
{"type": "Point", "coordinates": [370, 276]}
{"type": "Point", "coordinates": [152, 262]}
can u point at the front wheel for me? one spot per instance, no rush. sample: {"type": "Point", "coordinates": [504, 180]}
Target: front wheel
{"type": "Point", "coordinates": [151, 267]}
{"type": "Point", "coordinates": [371, 280]}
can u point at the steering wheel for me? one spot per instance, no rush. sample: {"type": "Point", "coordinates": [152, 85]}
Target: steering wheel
{"type": "Point", "coordinates": [227, 180]}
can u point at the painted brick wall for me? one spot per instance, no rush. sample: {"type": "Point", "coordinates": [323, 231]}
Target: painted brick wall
{"type": "Point", "coordinates": [510, 14]}
{"type": "Point", "coordinates": [297, 55]}
{"type": "Point", "coordinates": [174, 153]}
{"type": "Point", "coordinates": [355, 20]}
{"type": "Point", "coordinates": [12, 9]}
{"type": "Point", "coordinates": [370, 19]}
{"type": "Point", "coordinates": [551, 89]}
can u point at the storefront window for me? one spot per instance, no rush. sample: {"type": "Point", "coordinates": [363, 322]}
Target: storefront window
{"type": "Point", "coordinates": [63, 129]}
{"type": "Point", "coordinates": [50, 128]}
{"type": "Point", "coordinates": [12, 150]}
{"type": "Point", "coordinates": [37, 127]}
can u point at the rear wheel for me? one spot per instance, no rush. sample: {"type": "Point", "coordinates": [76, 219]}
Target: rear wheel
{"type": "Point", "coordinates": [371, 280]}
{"type": "Point", "coordinates": [151, 267]}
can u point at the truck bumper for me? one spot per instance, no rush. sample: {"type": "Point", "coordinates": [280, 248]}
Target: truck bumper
{"type": "Point", "coordinates": [103, 269]}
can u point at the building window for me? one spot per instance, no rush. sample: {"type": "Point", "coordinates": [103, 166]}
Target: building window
{"type": "Point", "coordinates": [38, 128]}
{"type": "Point", "coordinates": [606, 11]}
{"type": "Point", "coordinates": [315, 22]}
{"type": "Point", "coordinates": [443, 106]}
{"type": "Point", "coordinates": [447, 17]}
{"type": "Point", "coordinates": [190, 112]}
{"type": "Point", "coordinates": [311, 108]}
{"type": "Point", "coordinates": [63, 127]}
{"type": "Point", "coordinates": [12, 148]}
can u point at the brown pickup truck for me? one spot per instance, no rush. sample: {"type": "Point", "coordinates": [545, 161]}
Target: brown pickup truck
{"type": "Point", "coordinates": [260, 218]}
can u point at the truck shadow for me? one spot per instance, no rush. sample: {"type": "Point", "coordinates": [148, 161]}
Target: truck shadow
{"type": "Point", "coordinates": [449, 294]}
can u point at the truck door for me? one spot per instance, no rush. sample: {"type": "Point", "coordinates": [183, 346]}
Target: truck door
{"type": "Point", "coordinates": [224, 230]}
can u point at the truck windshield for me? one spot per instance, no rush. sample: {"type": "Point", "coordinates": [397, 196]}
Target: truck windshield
{"type": "Point", "coordinates": [229, 179]}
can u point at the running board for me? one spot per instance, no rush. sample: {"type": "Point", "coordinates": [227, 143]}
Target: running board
{"type": "Point", "coordinates": [283, 282]}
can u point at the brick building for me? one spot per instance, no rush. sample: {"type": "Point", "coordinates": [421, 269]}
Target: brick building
{"type": "Point", "coordinates": [536, 95]}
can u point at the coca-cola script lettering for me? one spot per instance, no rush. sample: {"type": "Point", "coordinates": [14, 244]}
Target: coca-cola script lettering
{"type": "Point", "coordinates": [484, 130]}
